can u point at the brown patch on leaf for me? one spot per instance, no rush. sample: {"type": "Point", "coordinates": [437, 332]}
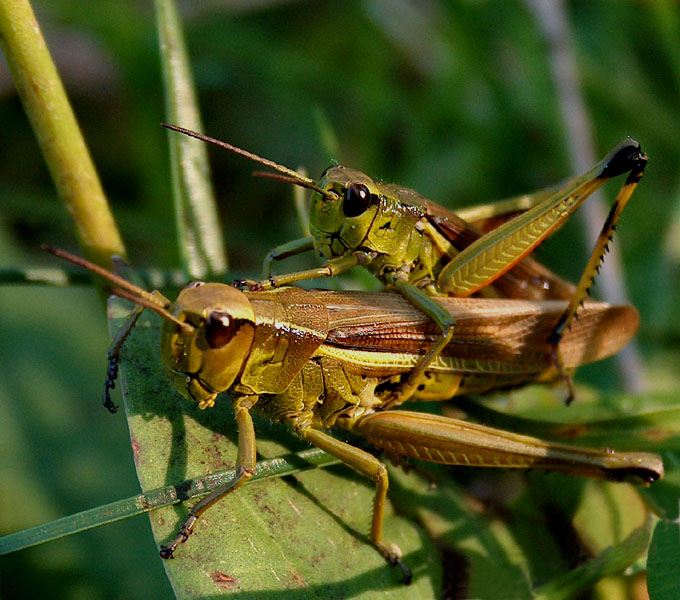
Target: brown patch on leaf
{"type": "Point", "coordinates": [657, 434]}
{"type": "Point", "coordinates": [136, 448]}
{"type": "Point", "coordinates": [571, 431]}
{"type": "Point", "coordinates": [226, 582]}
{"type": "Point", "coordinates": [298, 579]}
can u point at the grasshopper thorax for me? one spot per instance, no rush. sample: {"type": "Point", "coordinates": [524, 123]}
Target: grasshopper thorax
{"type": "Point", "coordinates": [206, 358]}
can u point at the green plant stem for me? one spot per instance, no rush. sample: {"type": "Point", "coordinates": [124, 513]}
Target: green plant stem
{"type": "Point", "coordinates": [57, 131]}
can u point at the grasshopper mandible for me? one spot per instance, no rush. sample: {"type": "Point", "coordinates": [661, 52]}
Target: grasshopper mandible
{"type": "Point", "coordinates": [425, 251]}
{"type": "Point", "coordinates": [313, 360]}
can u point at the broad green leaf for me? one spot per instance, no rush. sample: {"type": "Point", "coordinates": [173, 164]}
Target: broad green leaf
{"type": "Point", "coordinates": [482, 555]}
{"type": "Point", "coordinates": [607, 513]}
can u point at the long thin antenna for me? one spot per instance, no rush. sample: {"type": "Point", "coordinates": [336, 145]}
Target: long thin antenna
{"type": "Point", "coordinates": [123, 288]}
{"type": "Point", "coordinates": [294, 181]}
{"type": "Point", "coordinates": [163, 312]}
{"type": "Point", "coordinates": [254, 157]}
{"type": "Point", "coordinates": [295, 177]}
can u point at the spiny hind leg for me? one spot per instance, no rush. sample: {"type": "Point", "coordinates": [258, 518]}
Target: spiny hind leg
{"type": "Point", "coordinates": [591, 270]}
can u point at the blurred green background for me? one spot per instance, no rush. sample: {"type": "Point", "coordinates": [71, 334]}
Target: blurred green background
{"type": "Point", "coordinates": [456, 100]}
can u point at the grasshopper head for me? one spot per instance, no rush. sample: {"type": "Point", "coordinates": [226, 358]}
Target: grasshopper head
{"type": "Point", "coordinates": [351, 211]}
{"type": "Point", "coordinates": [207, 332]}
{"type": "Point", "coordinates": [341, 219]}
{"type": "Point", "coordinates": [206, 358]}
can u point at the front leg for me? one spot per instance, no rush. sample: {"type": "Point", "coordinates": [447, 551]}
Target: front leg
{"type": "Point", "coordinates": [245, 468]}
{"type": "Point", "coordinates": [292, 248]}
{"type": "Point", "coordinates": [333, 267]}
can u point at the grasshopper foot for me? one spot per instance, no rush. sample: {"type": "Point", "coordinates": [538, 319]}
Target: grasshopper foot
{"type": "Point", "coordinates": [244, 284]}
{"type": "Point", "coordinates": [182, 536]}
{"type": "Point", "coordinates": [250, 285]}
{"type": "Point", "coordinates": [406, 572]}
{"type": "Point", "coordinates": [107, 402]}
{"type": "Point", "coordinates": [111, 376]}
{"type": "Point", "coordinates": [393, 555]}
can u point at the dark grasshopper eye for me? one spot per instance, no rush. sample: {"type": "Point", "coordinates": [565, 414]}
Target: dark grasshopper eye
{"type": "Point", "coordinates": [357, 200]}
{"type": "Point", "coordinates": [219, 329]}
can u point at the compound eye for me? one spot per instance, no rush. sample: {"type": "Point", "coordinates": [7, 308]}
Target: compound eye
{"type": "Point", "coordinates": [219, 329]}
{"type": "Point", "coordinates": [357, 200]}
{"type": "Point", "coordinates": [193, 284]}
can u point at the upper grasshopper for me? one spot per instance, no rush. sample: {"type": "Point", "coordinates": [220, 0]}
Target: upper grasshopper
{"type": "Point", "coordinates": [319, 359]}
{"type": "Point", "coordinates": [425, 251]}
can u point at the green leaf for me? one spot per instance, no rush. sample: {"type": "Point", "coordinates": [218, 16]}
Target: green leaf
{"type": "Point", "coordinates": [154, 499]}
{"type": "Point", "coordinates": [612, 561]}
{"type": "Point", "coordinates": [481, 552]}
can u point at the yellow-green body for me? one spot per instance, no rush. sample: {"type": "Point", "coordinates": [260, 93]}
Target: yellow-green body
{"type": "Point", "coordinates": [318, 359]}
{"type": "Point", "coordinates": [409, 238]}
{"type": "Point", "coordinates": [287, 341]}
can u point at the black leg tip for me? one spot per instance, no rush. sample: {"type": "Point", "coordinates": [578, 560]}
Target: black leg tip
{"type": "Point", "coordinates": [166, 553]}
{"type": "Point", "coordinates": [406, 572]}
{"type": "Point", "coordinates": [626, 157]}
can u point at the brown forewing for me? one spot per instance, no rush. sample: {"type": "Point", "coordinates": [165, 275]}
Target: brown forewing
{"type": "Point", "coordinates": [510, 333]}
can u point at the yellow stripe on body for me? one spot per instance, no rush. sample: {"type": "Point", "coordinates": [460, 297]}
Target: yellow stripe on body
{"type": "Point", "coordinates": [401, 362]}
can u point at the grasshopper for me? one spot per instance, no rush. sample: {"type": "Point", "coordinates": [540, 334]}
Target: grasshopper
{"type": "Point", "coordinates": [314, 360]}
{"type": "Point", "coordinates": [426, 251]}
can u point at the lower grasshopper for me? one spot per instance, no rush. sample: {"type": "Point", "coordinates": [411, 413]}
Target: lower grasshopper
{"type": "Point", "coordinates": [424, 250]}
{"type": "Point", "coordinates": [320, 359]}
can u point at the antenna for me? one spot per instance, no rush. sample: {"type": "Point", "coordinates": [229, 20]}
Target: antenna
{"type": "Point", "coordinates": [325, 193]}
{"type": "Point", "coordinates": [289, 175]}
{"type": "Point", "coordinates": [123, 288]}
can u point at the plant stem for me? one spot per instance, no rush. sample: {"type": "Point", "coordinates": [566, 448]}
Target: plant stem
{"type": "Point", "coordinates": [57, 131]}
